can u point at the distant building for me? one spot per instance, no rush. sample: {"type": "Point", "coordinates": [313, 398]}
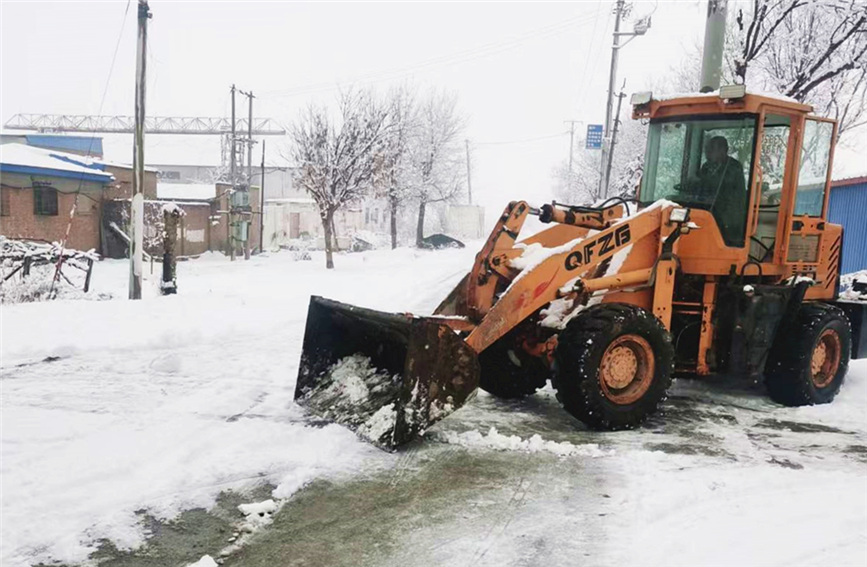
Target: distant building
{"type": "Point", "coordinates": [38, 189]}
{"type": "Point", "coordinates": [80, 145]}
{"type": "Point", "coordinates": [278, 180]}
{"type": "Point", "coordinates": [848, 207]}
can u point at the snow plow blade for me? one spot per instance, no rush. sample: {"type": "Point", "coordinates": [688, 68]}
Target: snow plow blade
{"type": "Point", "coordinates": [386, 376]}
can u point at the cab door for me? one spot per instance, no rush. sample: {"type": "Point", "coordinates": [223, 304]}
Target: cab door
{"type": "Point", "coordinates": [772, 183]}
{"type": "Point", "coordinates": [811, 242]}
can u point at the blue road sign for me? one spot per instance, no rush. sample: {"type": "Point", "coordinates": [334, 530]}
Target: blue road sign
{"type": "Point", "coordinates": [594, 137]}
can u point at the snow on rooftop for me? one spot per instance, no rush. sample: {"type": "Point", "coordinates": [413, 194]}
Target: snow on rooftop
{"type": "Point", "coordinates": [292, 200]}
{"type": "Point", "coordinates": [23, 155]}
{"type": "Point", "coordinates": [186, 191]}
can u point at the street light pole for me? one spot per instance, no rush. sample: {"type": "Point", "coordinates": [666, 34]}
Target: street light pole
{"type": "Point", "coordinates": [641, 27]}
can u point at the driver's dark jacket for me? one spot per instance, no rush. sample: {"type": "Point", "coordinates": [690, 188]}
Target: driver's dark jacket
{"type": "Point", "coordinates": [723, 188]}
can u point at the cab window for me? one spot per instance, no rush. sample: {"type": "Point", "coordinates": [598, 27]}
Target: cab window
{"type": "Point", "coordinates": [705, 163]}
{"type": "Point", "coordinates": [813, 173]}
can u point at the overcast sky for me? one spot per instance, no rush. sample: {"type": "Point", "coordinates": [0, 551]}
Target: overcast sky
{"type": "Point", "coordinates": [520, 70]}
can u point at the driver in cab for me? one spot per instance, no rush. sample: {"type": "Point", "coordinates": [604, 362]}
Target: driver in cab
{"type": "Point", "coordinates": [721, 186]}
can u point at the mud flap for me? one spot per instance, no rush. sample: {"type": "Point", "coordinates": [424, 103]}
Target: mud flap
{"type": "Point", "coordinates": [424, 371]}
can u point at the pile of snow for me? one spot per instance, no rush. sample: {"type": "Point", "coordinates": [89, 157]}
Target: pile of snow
{"type": "Point", "coordinates": [535, 444]}
{"type": "Point", "coordinates": [173, 208]}
{"type": "Point", "coordinates": [205, 561]}
{"type": "Point", "coordinates": [849, 282]}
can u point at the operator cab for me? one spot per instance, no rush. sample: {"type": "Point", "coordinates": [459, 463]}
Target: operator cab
{"type": "Point", "coordinates": [759, 164]}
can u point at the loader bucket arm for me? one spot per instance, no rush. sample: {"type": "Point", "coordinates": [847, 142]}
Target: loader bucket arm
{"type": "Point", "coordinates": [386, 376]}
{"type": "Point", "coordinates": [537, 286]}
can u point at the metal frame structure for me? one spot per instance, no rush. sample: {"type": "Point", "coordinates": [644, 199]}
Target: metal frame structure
{"type": "Point", "coordinates": [126, 124]}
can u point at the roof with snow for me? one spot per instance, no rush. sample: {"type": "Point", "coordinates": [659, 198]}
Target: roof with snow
{"type": "Point", "coordinates": [186, 191]}
{"type": "Point", "coordinates": [30, 160]}
{"type": "Point", "coordinates": [292, 200]}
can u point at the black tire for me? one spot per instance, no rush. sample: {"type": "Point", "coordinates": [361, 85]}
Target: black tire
{"type": "Point", "coordinates": [578, 375]}
{"type": "Point", "coordinates": [508, 372]}
{"type": "Point", "coordinates": [789, 372]}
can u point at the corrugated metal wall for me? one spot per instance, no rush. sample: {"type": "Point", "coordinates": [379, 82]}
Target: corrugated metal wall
{"type": "Point", "coordinates": [848, 207]}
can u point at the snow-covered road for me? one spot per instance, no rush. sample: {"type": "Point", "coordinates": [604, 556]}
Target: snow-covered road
{"type": "Point", "coordinates": [110, 407]}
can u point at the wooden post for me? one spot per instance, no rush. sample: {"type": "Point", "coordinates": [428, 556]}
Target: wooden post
{"type": "Point", "coordinates": [171, 218]}
{"type": "Point", "coordinates": [87, 277]}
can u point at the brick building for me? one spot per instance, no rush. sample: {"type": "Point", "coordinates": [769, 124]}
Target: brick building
{"type": "Point", "coordinates": [38, 188]}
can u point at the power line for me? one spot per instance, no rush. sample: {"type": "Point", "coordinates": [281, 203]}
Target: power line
{"type": "Point", "coordinates": [443, 60]}
{"type": "Point", "coordinates": [524, 141]}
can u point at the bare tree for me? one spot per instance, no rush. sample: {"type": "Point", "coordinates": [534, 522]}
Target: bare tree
{"type": "Point", "coordinates": [582, 185]}
{"type": "Point", "coordinates": [395, 157]}
{"type": "Point", "coordinates": [814, 51]}
{"type": "Point", "coordinates": [337, 159]}
{"type": "Point", "coordinates": [437, 166]}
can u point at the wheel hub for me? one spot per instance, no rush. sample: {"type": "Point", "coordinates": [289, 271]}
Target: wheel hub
{"type": "Point", "coordinates": [626, 369]}
{"type": "Point", "coordinates": [825, 359]}
{"type": "Point", "coordinates": [619, 367]}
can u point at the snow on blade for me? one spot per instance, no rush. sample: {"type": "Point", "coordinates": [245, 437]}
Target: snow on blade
{"type": "Point", "coordinates": [352, 392]}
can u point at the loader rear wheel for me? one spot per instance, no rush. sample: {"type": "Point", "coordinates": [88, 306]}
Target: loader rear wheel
{"type": "Point", "coordinates": [507, 372]}
{"type": "Point", "coordinates": [808, 361]}
{"type": "Point", "coordinates": [613, 366]}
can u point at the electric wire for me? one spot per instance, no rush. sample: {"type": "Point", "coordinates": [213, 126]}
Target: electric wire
{"type": "Point", "coordinates": [440, 61]}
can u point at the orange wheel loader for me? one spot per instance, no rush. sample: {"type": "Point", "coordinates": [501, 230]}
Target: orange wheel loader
{"type": "Point", "coordinates": [723, 263]}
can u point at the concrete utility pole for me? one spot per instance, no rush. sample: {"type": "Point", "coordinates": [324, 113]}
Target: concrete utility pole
{"type": "Point", "coordinates": [232, 180]}
{"type": "Point", "coordinates": [714, 44]}
{"type": "Point", "coordinates": [136, 243]}
{"type": "Point", "coordinates": [249, 224]}
{"type": "Point", "coordinates": [609, 105]}
{"type": "Point", "coordinates": [572, 124]}
{"type": "Point", "coordinates": [469, 182]}
{"type": "Point", "coordinates": [262, 203]}
{"type": "Point", "coordinates": [640, 28]}
{"type": "Point", "coordinates": [620, 96]}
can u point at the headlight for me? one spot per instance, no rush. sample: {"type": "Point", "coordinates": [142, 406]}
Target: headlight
{"type": "Point", "coordinates": [679, 215]}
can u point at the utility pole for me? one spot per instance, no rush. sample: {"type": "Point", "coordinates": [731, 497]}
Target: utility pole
{"type": "Point", "coordinates": [136, 240]}
{"type": "Point", "coordinates": [714, 43]}
{"type": "Point", "coordinates": [571, 145]}
{"type": "Point", "coordinates": [571, 148]}
{"type": "Point", "coordinates": [262, 203]}
{"type": "Point", "coordinates": [469, 183]}
{"type": "Point", "coordinates": [640, 28]}
{"type": "Point", "coordinates": [612, 76]}
{"type": "Point", "coordinates": [620, 96]}
{"type": "Point", "coordinates": [232, 181]}
{"type": "Point", "coordinates": [249, 168]}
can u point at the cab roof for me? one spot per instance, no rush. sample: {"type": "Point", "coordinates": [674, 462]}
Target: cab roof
{"type": "Point", "coordinates": [685, 104]}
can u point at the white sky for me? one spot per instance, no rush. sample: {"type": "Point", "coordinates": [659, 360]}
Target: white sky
{"type": "Point", "coordinates": [519, 69]}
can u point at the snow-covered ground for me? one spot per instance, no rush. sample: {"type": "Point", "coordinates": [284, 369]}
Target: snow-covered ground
{"type": "Point", "coordinates": [111, 407]}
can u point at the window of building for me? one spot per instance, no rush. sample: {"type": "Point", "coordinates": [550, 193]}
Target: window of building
{"type": "Point", "coordinates": [44, 201]}
{"type": "Point", "coordinates": [4, 202]}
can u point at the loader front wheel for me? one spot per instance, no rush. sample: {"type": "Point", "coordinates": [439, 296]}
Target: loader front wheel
{"type": "Point", "coordinates": [809, 359]}
{"type": "Point", "coordinates": [506, 371]}
{"type": "Point", "coordinates": [613, 366]}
